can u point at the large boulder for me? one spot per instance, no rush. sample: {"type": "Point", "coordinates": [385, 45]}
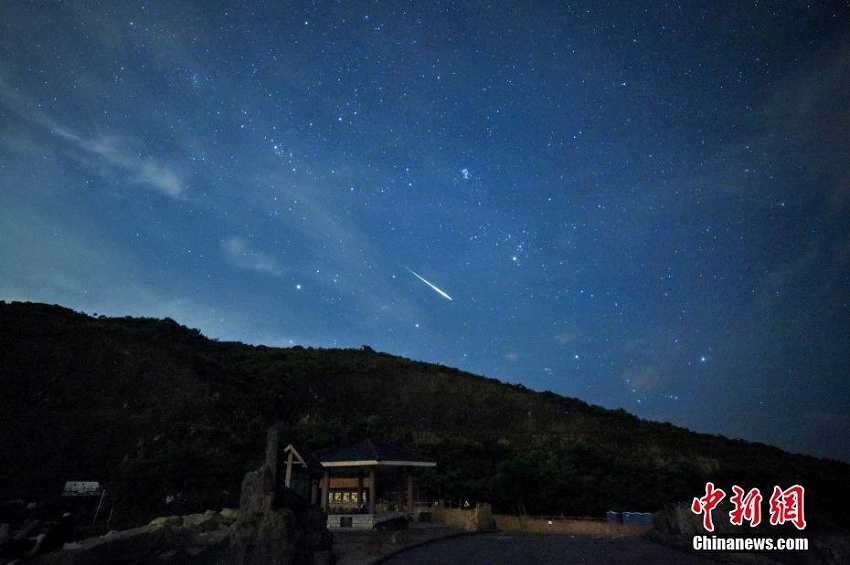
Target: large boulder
{"type": "Point", "coordinates": [276, 525]}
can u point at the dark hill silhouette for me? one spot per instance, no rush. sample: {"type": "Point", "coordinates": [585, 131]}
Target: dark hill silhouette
{"type": "Point", "coordinates": [153, 409]}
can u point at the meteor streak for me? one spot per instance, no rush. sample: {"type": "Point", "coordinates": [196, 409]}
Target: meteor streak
{"type": "Point", "coordinates": [434, 287]}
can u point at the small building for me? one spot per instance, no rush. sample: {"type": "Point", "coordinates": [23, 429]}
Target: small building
{"type": "Point", "coordinates": [364, 480]}
{"type": "Point", "coordinates": [82, 488]}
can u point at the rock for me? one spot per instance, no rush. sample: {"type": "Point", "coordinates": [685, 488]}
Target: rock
{"type": "Point", "coordinates": [170, 521]}
{"type": "Point", "coordinates": [201, 522]}
{"type": "Point", "coordinates": [229, 515]}
{"type": "Point", "coordinates": [276, 525]}
{"type": "Point", "coordinates": [214, 537]}
{"type": "Point", "coordinates": [195, 538]}
{"type": "Point", "coordinates": [138, 545]}
{"type": "Point", "coordinates": [264, 538]}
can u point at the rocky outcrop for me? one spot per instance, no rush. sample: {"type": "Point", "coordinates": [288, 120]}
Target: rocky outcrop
{"type": "Point", "coordinates": [273, 526]}
{"type": "Point", "coordinates": [195, 538]}
{"type": "Point", "coordinates": [276, 525]}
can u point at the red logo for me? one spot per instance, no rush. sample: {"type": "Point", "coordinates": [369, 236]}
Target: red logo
{"type": "Point", "coordinates": [785, 506]}
{"type": "Point", "coordinates": [707, 503]}
{"type": "Point", "coordinates": [746, 507]}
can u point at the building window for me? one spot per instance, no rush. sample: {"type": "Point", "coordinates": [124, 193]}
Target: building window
{"type": "Point", "coordinates": [348, 497]}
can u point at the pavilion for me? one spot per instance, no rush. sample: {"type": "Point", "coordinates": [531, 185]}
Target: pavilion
{"type": "Point", "coordinates": [358, 476]}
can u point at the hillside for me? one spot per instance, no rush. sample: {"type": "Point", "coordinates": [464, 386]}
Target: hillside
{"type": "Point", "coordinates": [152, 409]}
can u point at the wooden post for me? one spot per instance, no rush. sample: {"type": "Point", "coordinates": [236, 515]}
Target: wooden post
{"type": "Point", "coordinates": [99, 502]}
{"type": "Point", "coordinates": [288, 477]}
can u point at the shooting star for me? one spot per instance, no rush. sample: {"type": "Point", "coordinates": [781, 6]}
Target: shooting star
{"type": "Point", "coordinates": [434, 287]}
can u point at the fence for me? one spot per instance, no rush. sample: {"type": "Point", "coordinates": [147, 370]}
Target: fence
{"type": "Point", "coordinates": [467, 519]}
{"type": "Point", "coordinates": [481, 518]}
{"type": "Point", "coordinates": [572, 526]}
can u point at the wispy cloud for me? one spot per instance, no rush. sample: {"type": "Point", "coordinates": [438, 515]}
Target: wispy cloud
{"type": "Point", "coordinates": [239, 253]}
{"type": "Point", "coordinates": [140, 170]}
{"type": "Point", "coordinates": [111, 154]}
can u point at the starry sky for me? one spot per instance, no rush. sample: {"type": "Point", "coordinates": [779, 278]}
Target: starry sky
{"type": "Point", "coordinates": [644, 205]}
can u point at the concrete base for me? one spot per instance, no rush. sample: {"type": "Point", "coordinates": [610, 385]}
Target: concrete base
{"type": "Point", "coordinates": [359, 521]}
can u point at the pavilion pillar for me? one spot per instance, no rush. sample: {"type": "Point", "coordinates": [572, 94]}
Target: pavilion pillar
{"type": "Point", "coordinates": [399, 493]}
{"type": "Point", "coordinates": [410, 508]}
{"type": "Point", "coordinates": [326, 486]}
{"type": "Point", "coordinates": [360, 489]}
{"type": "Point", "coordinates": [373, 489]}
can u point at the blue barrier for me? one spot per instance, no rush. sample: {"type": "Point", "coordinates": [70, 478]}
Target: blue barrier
{"type": "Point", "coordinates": [637, 517]}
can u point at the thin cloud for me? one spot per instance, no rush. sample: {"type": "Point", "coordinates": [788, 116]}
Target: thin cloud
{"type": "Point", "coordinates": [111, 153]}
{"type": "Point", "coordinates": [238, 252]}
{"type": "Point", "coordinates": [143, 171]}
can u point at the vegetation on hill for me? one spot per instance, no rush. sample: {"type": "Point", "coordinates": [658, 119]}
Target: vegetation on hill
{"type": "Point", "coordinates": [155, 410]}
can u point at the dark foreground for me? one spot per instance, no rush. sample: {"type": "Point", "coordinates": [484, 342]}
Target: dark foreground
{"type": "Point", "coordinates": [502, 548]}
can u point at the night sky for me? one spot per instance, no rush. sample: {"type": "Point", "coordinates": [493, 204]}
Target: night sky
{"type": "Point", "coordinates": [644, 205]}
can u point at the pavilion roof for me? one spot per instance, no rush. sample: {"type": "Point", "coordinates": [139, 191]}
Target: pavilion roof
{"type": "Point", "coordinates": [369, 452]}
